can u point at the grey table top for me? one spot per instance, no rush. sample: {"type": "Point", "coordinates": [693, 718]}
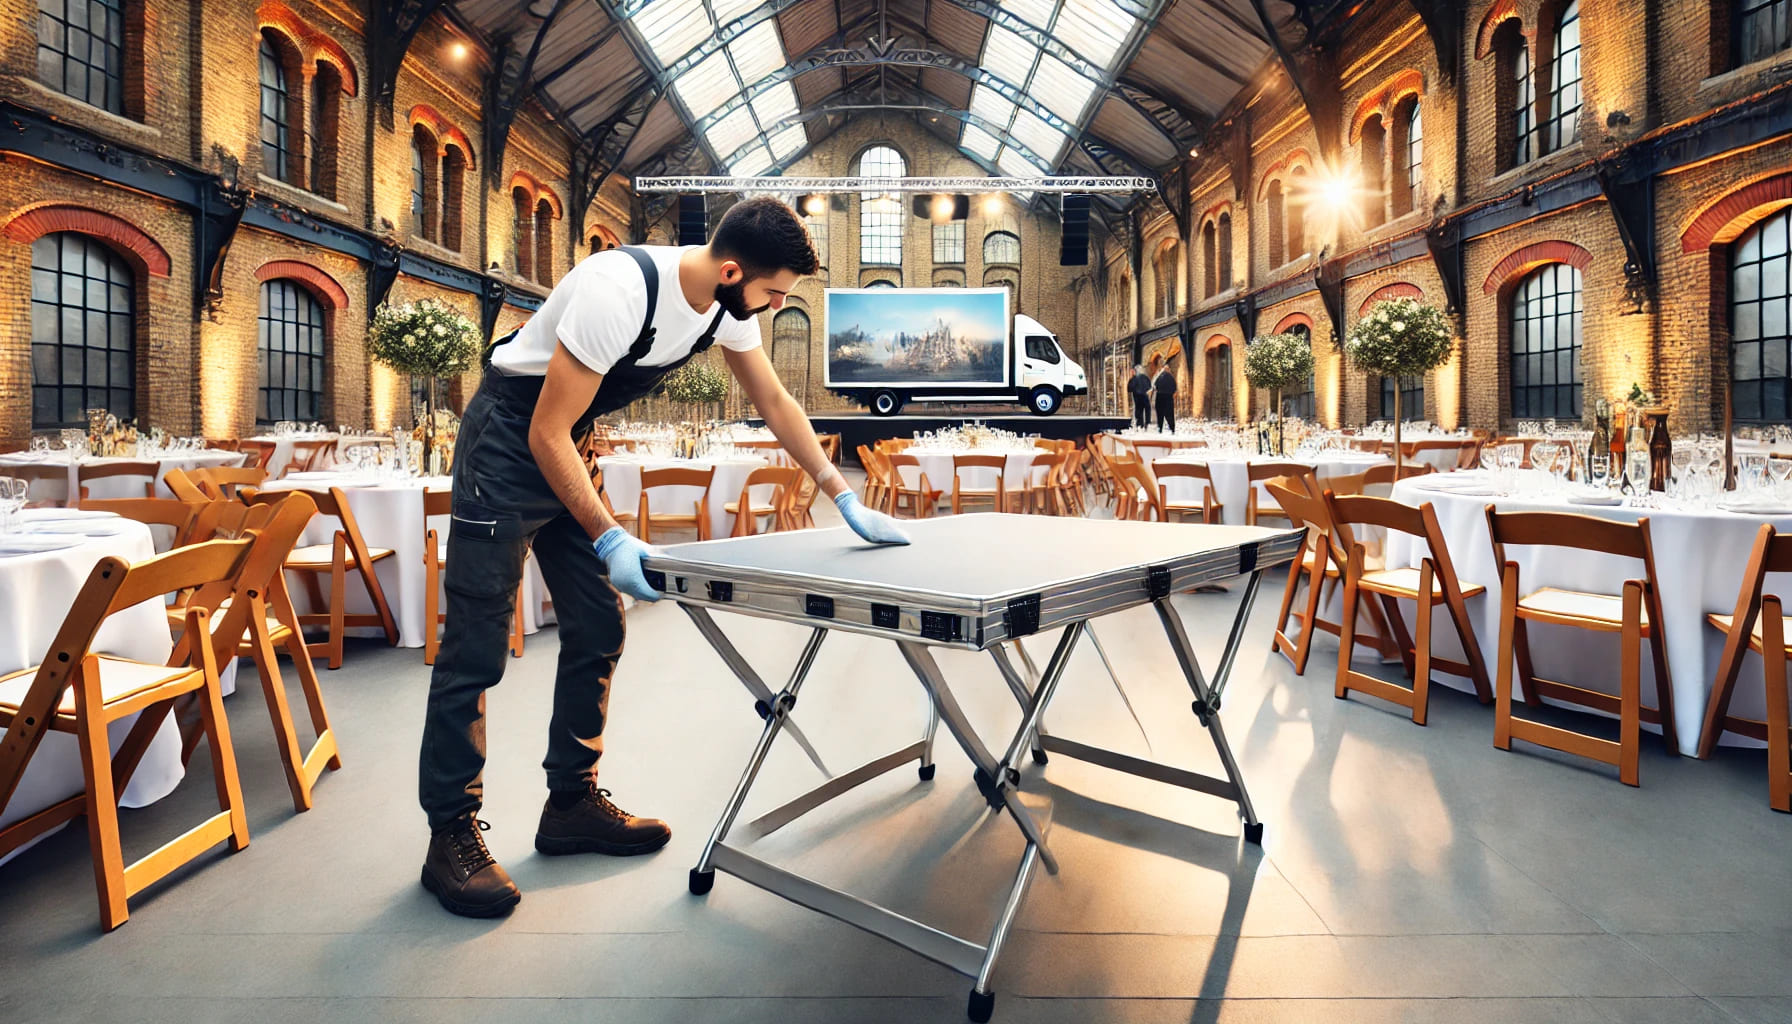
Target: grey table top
{"type": "Point", "coordinates": [974, 556]}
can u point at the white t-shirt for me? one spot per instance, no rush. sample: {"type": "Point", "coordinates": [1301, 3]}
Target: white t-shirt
{"type": "Point", "coordinates": [596, 312]}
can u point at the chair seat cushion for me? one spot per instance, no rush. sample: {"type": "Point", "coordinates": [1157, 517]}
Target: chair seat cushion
{"type": "Point", "coordinates": [1602, 608]}
{"type": "Point", "coordinates": [1405, 583]}
{"type": "Point", "coordinates": [1726, 623]}
{"type": "Point", "coordinates": [321, 556]}
{"type": "Point", "coordinates": [120, 679]}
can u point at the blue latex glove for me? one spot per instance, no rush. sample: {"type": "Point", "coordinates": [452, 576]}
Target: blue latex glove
{"type": "Point", "coordinates": [869, 523]}
{"type": "Point", "coordinates": [622, 553]}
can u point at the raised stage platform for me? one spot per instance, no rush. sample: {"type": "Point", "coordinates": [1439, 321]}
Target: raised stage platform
{"type": "Point", "coordinates": [863, 428]}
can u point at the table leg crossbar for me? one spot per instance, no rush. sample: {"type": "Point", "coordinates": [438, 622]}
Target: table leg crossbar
{"type": "Point", "coordinates": [998, 779]}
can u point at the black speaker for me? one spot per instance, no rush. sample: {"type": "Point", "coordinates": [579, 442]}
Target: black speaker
{"type": "Point", "coordinates": [693, 220]}
{"type": "Point", "coordinates": [1073, 246]}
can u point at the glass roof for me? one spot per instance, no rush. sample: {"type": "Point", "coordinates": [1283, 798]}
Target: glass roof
{"type": "Point", "coordinates": [758, 130]}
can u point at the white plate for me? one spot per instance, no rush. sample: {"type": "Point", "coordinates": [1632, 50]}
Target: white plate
{"type": "Point", "coordinates": [1595, 499]}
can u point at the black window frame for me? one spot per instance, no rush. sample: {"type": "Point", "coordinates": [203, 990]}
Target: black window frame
{"type": "Point", "coordinates": [1752, 304]}
{"type": "Point", "coordinates": [1301, 404]}
{"type": "Point", "coordinates": [1751, 40]}
{"type": "Point", "coordinates": [1544, 394]}
{"type": "Point", "coordinates": [1412, 398]}
{"type": "Point", "coordinates": [1042, 348]}
{"type": "Point", "coordinates": [1562, 126]}
{"type": "Point", "coordinates": [57, 32]}
{"type": "Point", "coordinates": [54, 310]}
{"type": "Point", "coordinates": [277, 152]}
{"type": "Point", "coordinates": [295, 312]}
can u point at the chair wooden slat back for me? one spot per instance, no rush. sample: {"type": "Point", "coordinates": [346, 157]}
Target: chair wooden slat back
{"type": "Point", "coordinates": [306, 455]}
{"type": "Point", "coordinates": [182, 485]}
{"type": "Point", "coordinates": [915, 488]}
{"type": "Point", "coordinates": [1747, 629]}
{"type": "Point", "coordinates": [1568, 530]}
{"type": "Point", "coordinates": [675, 476]}
{"type": "Point", "coordinates": [1164, 470]}
{"type": "Point", "coordinates": [1385, 474]}
{"type": "Point", "coordinates": [88, 472]}
{"type": "Point", "coordinates": [226, 481]}
{"type": "Point", "coordinates": [261, 451]}
{"type": "Point", "coordinates": [351, 554]}
{"type": "Point", "coordinates": [169, 512]}
{"type": "Point", "coordinates": [978, 465]}
{"type": "Point", "coordinates": [782, 481]}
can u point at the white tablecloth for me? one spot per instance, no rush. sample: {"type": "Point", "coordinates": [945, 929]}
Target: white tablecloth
{"type": "Point", "coordinates": [936, 463]}
{"type": "Point", "coordinates": [622, 484]}
{"type": "Point", "coordinates": [112, 487]}
{"type": "Point", "coordinates": [1699, 561]}
{"type": "Point", "coordinates": [36, 590]}
{"type": "Point", "coordinates": [1231, 476]}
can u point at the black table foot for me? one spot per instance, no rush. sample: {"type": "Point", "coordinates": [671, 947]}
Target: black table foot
{"type": "Point", "coordinates": [1254, 833]}
{"type": "Point", "coordinates": [926, 772]}
{"type": "Point", "coordinates": [702, 881]}
{"type": "Point", "coordinates": [982, 1005]}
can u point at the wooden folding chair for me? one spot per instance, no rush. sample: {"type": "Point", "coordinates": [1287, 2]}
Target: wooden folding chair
{"type": "Point", "coordinates": [1758, 625]}
{"type": "Point", "coordinates": [799, 511]}
{"type": "Point", "coordinates": [963, 492]}
{"type": "Point", "coordinates": [176, 515]}
{"type": "Point", "coordinates": [79, 691]}
{"type": "Point", "coordinates": [255, 619]}
{"type": "Point", "coordinates": [675, 476]}
{"type": "Point", "coordinates": [1042, 489]}
{"type": "Point", "coordinates": [1141, 498]}
{"type": "Point", "coordinates": [921, 497]}
{"type": "Point", "coordinates": [1385, 474]}
{"type": "Point", "coordinates": [89, 472]}
{"type": "Point", "coordinates": [1072, 479]}
{"type": "Point", "coordinates": [1468, 455]}
{"type": "Point", "coordinates": [262, 452]}
{"type": "Point", "coordinates": [747, 512]}
{"type": "Point", "coordinates": [1635, 615]}
{"type": "Point", "coordinates": [1100, 476]}
{"type": "Point", "coordinates": [435, 559]}
{"type": "Point", "coordinates": [877, 477]}
{"type": "Point", "coordinates": [226, 481]}
{"type": "Point", "coordinates": [1318, 565]}
{"type": "Point", "coordinates": [47, 485]}
{"type": "Point", "coordinates": [1255, 507]}
{"type": "Point", "coordinates": [1433, 583]}
{"type": "Point", "coordinates": [1206, 505]}
{"type": "Point", "coordinates": [181, 484]}
{"type": "Point", "coordinates": [345, 553]}
{"type": "Point", "coordinates": [306, 455]}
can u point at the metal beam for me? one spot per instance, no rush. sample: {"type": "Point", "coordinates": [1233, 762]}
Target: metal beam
{"type": "Point", "coordinates": [392, 25]}
{"type": "Point", "coordinates": [601, 149]}
{"type": "Point", "coordinates": [508, 87]}
{"type": "Point", "coordinates": [1315, 77]}
{"type": "Point", "coordinates": [664, 75]}
{"type": "Point", "coordinates": [778, 183]}
{"type": "Point", "coordinates": [1444, 24]}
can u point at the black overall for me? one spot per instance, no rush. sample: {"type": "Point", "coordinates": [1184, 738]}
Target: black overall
{"type": "Point", "coordinates": [502, 505]}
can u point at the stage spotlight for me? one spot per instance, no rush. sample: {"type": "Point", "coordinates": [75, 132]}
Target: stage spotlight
{"type": "Point", "coordinates": [458, 51]}
{"type": "Point", "coordinates": [992, 205]}
{"type": "Point", "coordinates": [815, 206]}
{"type": "Point", "coordinates": [942, 208]}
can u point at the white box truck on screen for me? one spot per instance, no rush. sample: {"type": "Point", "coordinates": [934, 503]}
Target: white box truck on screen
{"type": "Point", "coordinates": [891, 346]}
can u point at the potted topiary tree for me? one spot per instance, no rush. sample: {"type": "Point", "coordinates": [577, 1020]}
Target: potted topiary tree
{"type": "Point", "coordinates": [1275, 361]}
{"type": "Point", "coordinates": [427, 339]}
{"type": "Point", "coordinates": [1399, 338]}
{"type": "Point", "coordinates": [698, 385]}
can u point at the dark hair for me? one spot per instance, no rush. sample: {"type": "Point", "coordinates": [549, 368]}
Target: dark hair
{"type": "Point", "coordinates": [764, 236]}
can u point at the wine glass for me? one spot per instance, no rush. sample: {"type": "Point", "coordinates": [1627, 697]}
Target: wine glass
{"type": "Point", "coordinates": [1636, 470]}
{"type": "Point", "coordinates": [13, 493]}
{"type": "Point", "coordinates": [1543, 456]}
{"type": "Point", "coordinates": [1751, 471]}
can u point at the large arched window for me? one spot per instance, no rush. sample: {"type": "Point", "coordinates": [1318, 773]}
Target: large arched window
{"type": "Point", "coordinates": [948, 241]}
{"type": "Point", "coordinates": [324, 113]}
{"type": "Point", "coordinates": [1545, 361]}
{"type": "Point", "coordinates": [1219, 383]}
{"type": "Point", "coordinates": [1374, 146]}
{"type": "Point", "coordinates": [1274, 207]}
{"type": "Point", "coordinates": [83, 327]}
{"type": "Point", "coordinates": [1209, 256]}
{"type": "Point", "coordinates": [454, 185]}
{"type": "Point", "coordinates": [1564, 73]}
{"type": "Point", "coordinates": [1408, 152]}
{"type": "Point", "coordinates": [1760, 307]}
{"type": "Point", "coordinates": [525, 232]}
{"type": "Point", "coordinates": [1163, 266]}
{"type": "Point", "coordinates": [544, 242]}
{"type": "Point", "coordinates": [1763, 28]}
{"type": "Point", "coordinates": [1516, 95]}
{"type": "Point", "coordinates": [790, 351]}
{"type": "Point", "coordinates": [277, 157]}
{"type": "Point", "coordinates": [880, 213]}
{"type": "Point", "coordinates": [290, 340]}
{"type": "Point", "coordinates": [425, 185]}
{"type": "Point", "coordinates": [1225, 251]}
{"type": "Point", "coordinates": [1001, 244]}
{"type": "Point", "coordinates": [80, 50]}
{"type": "Point", "coordinates": [1298, 401]}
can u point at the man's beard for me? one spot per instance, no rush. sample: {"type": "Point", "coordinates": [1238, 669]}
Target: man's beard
{"type": "Point", "coordinates": [733, 298]}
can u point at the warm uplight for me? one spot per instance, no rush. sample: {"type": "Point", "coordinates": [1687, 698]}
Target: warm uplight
{"type": "Point", "coordinates": [942, 208]}
{"type": "Point", "coordinates": [992, 206]}
{"type": "Point", "coordinates": [815, 206]}
{"type": "Point", "coordinates": [458, 51]}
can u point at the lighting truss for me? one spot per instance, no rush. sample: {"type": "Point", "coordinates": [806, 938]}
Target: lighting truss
{"type": "Point", "coordinates": [1049, 183]}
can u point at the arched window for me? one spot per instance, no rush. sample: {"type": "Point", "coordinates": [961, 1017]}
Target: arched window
{"type": "Point", "coordinates": [1274, 203]}
{"type": "Point", "coordinates": [948, 241]}
{"type": "Point", "coordinates": [882, 283]}
{"type": "Point", "coordinates": [1545, 363]}
{"type": "Point", "coordinates": [1209, 255]}
{"type": "Point", "coordinates": [80, 50]}
{"type": "Point", "coordinates": [880, 213]}
{"type": "Point", "coordinates": [1763, 28]}
{"type": "Point", "coordinates": [1163, 265]}
{"type": "Point", "coordinates": [1219, 383]}
{"type": "Point", "coordinates": [1408, 151]}
{"type": "Point", "coordinates": [525, 232]}
{"type": "Point", "coordinates": [1564, 73]}
{"type": "Point", "coordinates": [83, 328]}
{"type": "Point", "coordinates": [1515, 94]}
{"type": "Point", "coordinates": [790, 351]}
{"type": "Point", "coordinates": [290, 341]}
{"type": "Point", "coordinates": [1001, 243]}
{"type": "Point", "coordinates": [1298, 400]}
{"type": "Point", "coordinates": [1374, 161]}
{"type": "Point", "coordinates": [1296, 213]}
{"type": "Point", "coordinates": [277, 156]}
{"type": "Point", "coordinates": [544, 242]}
{"type": "Point", "coordinates": [1760, 305]}
{"type": "Point", "coordinates": [1412, 398]}
{"type": "Point", "coordinates": [454, 184]}
{"type": "Point", "coordinates": [1225, 251]}
{"type": "Point", "coordinates": [325, 113]}
{"type": "Point", "coordinates": [425, 188]}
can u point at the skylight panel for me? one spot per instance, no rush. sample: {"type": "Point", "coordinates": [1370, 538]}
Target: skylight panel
{"type": "Point", "coordinates": [1037, 13]}
{"type": "Point", "coordinates": [757, 52]}
{"type": "Point", "coordinates": [1044, 140]}
{"type": "Point", "coordinates": [1014, 165]}
{"type": "Point", "coordinates": [1063, 91]}
{"type": "Point", "coordinates": [706, 86]}
{"type": "Point", "coordinates": [733, 131]}
{"type": "Point", "coordinates": [750, 163]}
{"type": "Point", "coordinates": [1009, 56]}
{"type": "Point", "coordinates": [673, 27]}
{"type": "Point", "coordinates": [1093, 28]}
{"type": "Point", "coordinates": [775, 105]}
{"type": "Point", "coordinates": [979, 142]}
{"type": "Point", "coordinates": [989, 105]}
{"type": "Point", "coordinates": [789, 141]}
{"type": "Point", "coordinates": [728, 10]}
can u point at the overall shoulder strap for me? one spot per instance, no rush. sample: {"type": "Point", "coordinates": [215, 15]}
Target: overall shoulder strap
{"type": "Point", "coordinates": [709, 335]}
{"type": "Point", "coordinates": [650, 275]}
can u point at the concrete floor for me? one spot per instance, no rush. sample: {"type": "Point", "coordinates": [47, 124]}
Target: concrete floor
{"type": "Point", "coordinates": [1408, 874]}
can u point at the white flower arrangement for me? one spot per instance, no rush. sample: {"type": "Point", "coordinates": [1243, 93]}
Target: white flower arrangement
{"type": "Point", "coordinates": [423, 339]}
{"type": "Point", "coordinates": [1275, 362]}
{"type": "Point", "coordinates": [1400, 338]}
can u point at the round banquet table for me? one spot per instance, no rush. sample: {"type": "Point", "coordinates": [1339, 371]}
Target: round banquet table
{"type": "Point", "coordinates": [390, 515]}
{"type": "Point", "coordinates": [1231, 476]}
{"type": "Point", "coordinates": [1699, 560]}
{"type": "Point", "coordinates": [114, 487]}
{"type": "Point", "coordinates": [936, 464]}
{"type": "Point", "coordinates": [622, 485]}
{"type": "Point", "coordinates": [36, 589]}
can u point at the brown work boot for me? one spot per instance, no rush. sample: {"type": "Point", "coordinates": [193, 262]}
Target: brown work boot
{"type": "Point", "coordinates": [463, 875]}
{"type": "Point", "coordinates": [592, 824]}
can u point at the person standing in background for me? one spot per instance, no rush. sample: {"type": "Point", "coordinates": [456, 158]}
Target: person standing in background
{"type": "Point", "coordinates": [1165, 386]}
{"type": "Point", "coordinates": [1140, 389]}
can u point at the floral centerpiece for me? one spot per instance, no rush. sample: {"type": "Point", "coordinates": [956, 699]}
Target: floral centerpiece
{"type": "Point", "coordinates": [1399, 338]}
{"type": "Point", "coordinates": [425, 339]}
{"type": "Point", "coordinates": [1275, 361]}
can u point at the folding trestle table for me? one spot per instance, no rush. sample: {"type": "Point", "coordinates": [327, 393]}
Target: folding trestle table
{"type": "Point", "coordinates": [970, 582]}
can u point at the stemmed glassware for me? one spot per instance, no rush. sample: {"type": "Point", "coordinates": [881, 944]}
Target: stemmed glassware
{"type": "Point", "coordinates": [13, 493]}
{"type": "Point", "coordinates": [1636, 471]}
